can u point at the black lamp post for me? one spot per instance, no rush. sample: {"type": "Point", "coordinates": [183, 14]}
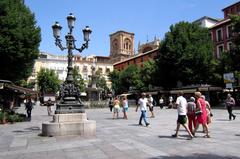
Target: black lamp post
{"type": "Point", "coordinates": [70, 101]}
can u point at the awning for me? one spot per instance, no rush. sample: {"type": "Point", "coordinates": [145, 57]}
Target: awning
{"type": "Point", "coordinates": [21, 90]}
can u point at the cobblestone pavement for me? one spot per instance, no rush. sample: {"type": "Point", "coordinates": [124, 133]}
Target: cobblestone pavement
{"type": "Point", "coordinates": [121, 138]}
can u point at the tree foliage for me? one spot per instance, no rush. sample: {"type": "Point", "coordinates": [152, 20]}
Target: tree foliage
{"type": "Point", "coordinates": [47, 81]}
{"type": "Point", "coordinates": [186, 56]}
{"type": "Point", "coordinates": [19, 40]}
{"type": "Point", "coordinates": [134, 78]}
{"type": "Point", "coordinates": [78, 80]}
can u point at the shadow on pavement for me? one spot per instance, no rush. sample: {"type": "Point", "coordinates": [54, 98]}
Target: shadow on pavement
{"type": "Point", "coordinates": [222, 119]}
{"type": "Point", "coordinates": [30, 129]}
{"type": "Point", "coordinates": [197, 156]}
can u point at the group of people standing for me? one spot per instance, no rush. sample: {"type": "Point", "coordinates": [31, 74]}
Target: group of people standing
{"type": "Point", "coordinates": [115, 106]}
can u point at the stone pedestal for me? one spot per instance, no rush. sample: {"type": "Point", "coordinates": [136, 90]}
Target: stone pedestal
{"type": "Point", "coordinates": [69, 124]}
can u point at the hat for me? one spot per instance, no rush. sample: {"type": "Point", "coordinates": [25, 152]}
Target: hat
{"type": "Point", "coordinates": [192, 99]}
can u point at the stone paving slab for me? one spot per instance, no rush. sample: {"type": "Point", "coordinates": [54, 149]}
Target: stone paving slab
{"type": "Point", "coordinates": [121, 138]}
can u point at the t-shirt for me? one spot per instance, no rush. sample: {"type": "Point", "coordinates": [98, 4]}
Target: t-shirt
{"type": "Point", "coordinates": [181, 105]}
{"type": "Point", "coordinates": [161, 101]}
{"type": "Point", "coordinates": [125, 104]}
{"type": "Point", "coordinates": [142, 102]}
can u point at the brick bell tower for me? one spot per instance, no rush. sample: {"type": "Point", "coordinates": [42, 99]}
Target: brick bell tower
{"type": "Point", "coordinates": [121, 46]}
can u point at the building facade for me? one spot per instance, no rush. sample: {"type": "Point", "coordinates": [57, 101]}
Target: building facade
{"type": "Point", "coordinates": [121, 46]}
{"type": "Point", "coordinates": [146, 52]}
{"type": "Point", "coordinates": [83, 64]}
{"type": "Point", "coordinates": [221, 32]}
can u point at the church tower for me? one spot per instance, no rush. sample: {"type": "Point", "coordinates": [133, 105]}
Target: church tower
{"type": "Point", "coordinates": [121, 46]}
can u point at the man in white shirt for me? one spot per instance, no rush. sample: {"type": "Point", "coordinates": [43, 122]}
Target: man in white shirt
{"type": "Point", "coordinates": [181, 104]}
{"type": "Point", "coordinates": [142, 103]}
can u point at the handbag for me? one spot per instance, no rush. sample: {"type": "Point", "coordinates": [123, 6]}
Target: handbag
{"type": "Point", "coordinates": [198, 112]}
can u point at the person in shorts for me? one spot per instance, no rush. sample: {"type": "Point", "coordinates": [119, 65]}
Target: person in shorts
{"type": "Point", "coordinates": [116, 107]}
{"type": "Point", "coordinates": [181, 104]}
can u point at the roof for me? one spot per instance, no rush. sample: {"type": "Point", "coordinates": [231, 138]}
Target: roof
{"type": "Point", "coordinates": [21, 90]}
{"type": "Point", "coordinates": [121, 31]}
{"type": "Point", "coordinates": [206, 17]}
{"type": "Point", "coordinates": [139, 55]}
{"type": "Point", "coordinates": [231, 5]}
{"type": "Point", "coordinates": [220, 23]}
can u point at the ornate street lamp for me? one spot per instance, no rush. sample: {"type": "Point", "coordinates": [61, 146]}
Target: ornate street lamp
{"type": "Point", "coordinates": [70, 101]}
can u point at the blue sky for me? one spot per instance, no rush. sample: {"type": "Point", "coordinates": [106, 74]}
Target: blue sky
{"type": "Point", "coordinates": [145, 18]}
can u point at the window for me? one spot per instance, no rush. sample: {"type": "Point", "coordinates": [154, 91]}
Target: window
{"type": "Point", "coordinates": [85, 69]}
{"type": "Point", "coordinates": [238, 9]}
{"type": "Point", "coordinates": [229, 46]}
{"type": "Point", "coordinates": [142, 59]}
{"type": "Point", "coordinates": [127, 44]}
{"type": "Point", "coordinates": [219, 51]}
{"type": "Point", "coordinates": [229, 31]}
{"type": "Point", "coordinates": [219, 35]}
{"type": "Point", "coordinates": [107, 70]}
{"type": "Point", "coordinates": [100, 70]}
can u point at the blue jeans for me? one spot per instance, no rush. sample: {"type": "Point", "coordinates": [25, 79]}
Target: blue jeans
{"type": "Point", "coordinates": [143, 116]}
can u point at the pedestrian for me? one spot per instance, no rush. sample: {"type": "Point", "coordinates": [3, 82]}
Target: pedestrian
{"type": "Point", "coordinates": [208, 108]}
{"type": "Point", "coordinates": [161, 102]}
{"type": "Point", "coordinates": [201, 114]}
{"type": "Point", "coordinates": [170, 105]}
{"type": "Point", "coordinates": [125, 107]}
{"type": "Point", "coordinates": [49, 104]}
{"type": "Point", "coordinates": [150, 105]}
{"type": "Point", "coordinates": [181, 104]}
{"type": "Point", "coordinates": [29, 107]}
{"type": "Point", "coordinates": [110, 104]}
{"type": "Point", "coordinates": [191, 108]}
{"type": "Point", "coordinates": [230, 103]}
{"type": "Point", "coordinates": [142, 103]}
{"type": "Point", "coordinates": [116, 107]}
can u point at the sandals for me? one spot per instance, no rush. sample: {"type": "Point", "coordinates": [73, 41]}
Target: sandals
{"type": "Point", "coordinates": [206, 136]}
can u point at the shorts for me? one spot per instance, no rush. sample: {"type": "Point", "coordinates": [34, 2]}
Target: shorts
{"type": "Point", "coordinates": [125, 109]}
{"type": "Point", "coordinates": [151, 108]}
{"type": "Point", "coordinates": [182, 119]}
{"type": "Point", "coordinates": [116, 110]}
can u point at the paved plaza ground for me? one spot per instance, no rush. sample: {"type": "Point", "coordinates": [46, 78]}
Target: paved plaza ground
{"type": "Point", "coordinates": [121, 138]}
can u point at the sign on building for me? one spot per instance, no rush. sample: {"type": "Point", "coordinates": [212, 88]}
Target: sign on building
{"type": "Point", "coordinates": [228, 77]}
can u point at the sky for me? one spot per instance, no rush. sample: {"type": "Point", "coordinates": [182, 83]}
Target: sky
{"type": "Point", "coordinates": [145, 18]}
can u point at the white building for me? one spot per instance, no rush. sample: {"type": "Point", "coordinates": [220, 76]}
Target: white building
{"type": "Point", "coordinates": [206, 21]}
{"type": "Point", "coordinates": [58, 63]}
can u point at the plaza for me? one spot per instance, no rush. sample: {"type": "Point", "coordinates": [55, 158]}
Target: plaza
{"type": "Point", "coordinates": [121, 138]}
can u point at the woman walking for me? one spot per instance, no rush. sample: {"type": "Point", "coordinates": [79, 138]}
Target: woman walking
{"type": "Point", "coordinates": [201, 114]}
{"type": "Point", "coordinates": [191, 108]}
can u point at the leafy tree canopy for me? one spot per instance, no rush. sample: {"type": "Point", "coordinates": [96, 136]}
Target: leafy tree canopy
{"type": "Point", "coordinates": [48, 81]}
{"type": "Point", "coordinates": [186, 56]}
{"type": "Point", "coordinates": [19, 40]}
{"type": "Point", "coordinates": [78, 79]}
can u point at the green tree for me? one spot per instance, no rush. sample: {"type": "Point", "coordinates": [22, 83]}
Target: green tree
{"type": "Point", "coordinates": [47, 81]}
{"type": "Point", "coordinates": [19, 40]}
{"type": "Point", "coordinates": [148, 74]}
{"type": "Point", "coordinates": [78, 79]}
{"type": "Point", "coordinates": [116, 83]}
{"type": "Point", "coordinates": [235, 50]}
{"type": "Point", "coordinates": [186, 56]}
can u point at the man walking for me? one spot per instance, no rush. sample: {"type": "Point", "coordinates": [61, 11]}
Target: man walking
{"type": "Point", "coordinates": [230, 103]}
{"type": "Point", "coordinates": [181, 104]}
{"type": "Point", "coordinates": [142, 103]}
